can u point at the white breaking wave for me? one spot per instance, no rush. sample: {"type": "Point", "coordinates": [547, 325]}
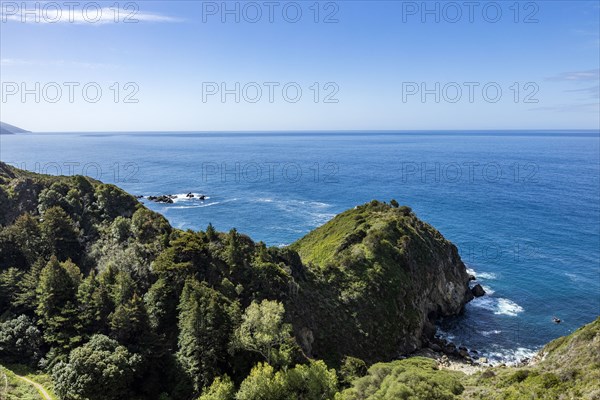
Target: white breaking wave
{"type": "Point", "coordinates": [490, 333]}
{"type": "Point", "coordinates": [499, 306]}
{"type": "Point", "coordinates": [508, 307]}
{"type": "Point", "coordinates": [214, 203]}
{"type": "Point", "coordinates": [321, 218]}
{"type": "Point", "coordinates": [286, 229]}
{"type": "Point", "coordinates": [508, 356]}
{"type": "Point", "coordinates": [445, 335]}
{"type": "Point", "coordinates": [291, 204]}
{"type": "Point", "coordinates": [183, 197]}
{"type": "Point", "coordinates": [481, 275]}
{"type": "Point", "coordinates": [488, 290]}
{"type": "Point", "coordinates": [485, 275]}
{"type": "Point", "coordinates": [184, 205]}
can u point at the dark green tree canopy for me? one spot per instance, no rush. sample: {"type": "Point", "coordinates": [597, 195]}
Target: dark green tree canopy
{"type": "Point", "coordinates": [101, 369]}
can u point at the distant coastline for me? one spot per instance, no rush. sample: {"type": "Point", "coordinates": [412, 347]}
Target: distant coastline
{"type": "Point", "coordinates": [8, 129]}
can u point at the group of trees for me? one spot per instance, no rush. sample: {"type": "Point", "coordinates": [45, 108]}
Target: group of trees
{"type": "Point", "coordinates": [105, 296]}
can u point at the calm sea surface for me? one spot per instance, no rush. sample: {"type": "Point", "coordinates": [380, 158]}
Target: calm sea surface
{"type": "Point", "coordinates": [523, 208]}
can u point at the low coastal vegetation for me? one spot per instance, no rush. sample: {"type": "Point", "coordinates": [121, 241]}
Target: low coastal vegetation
{"type": "Point", "coordinates": [568, 368]}
{"type": "Point", "coordinates": [107, 301]}
{"type": "Point", "coordinates": [20, 382]}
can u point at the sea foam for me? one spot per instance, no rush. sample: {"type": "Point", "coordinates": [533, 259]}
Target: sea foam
{"type": "Point", "coordinates": [499, 306]}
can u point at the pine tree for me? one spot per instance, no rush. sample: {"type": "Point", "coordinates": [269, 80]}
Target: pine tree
{"type": "Point", "coordinates": [123, 288]}
{"type": "Point", "coordinates": [9, 288]}
{"type": "Point", "coordinates": [234, 252]}
{"type": "Point", "coordinates": [26, 300]}
{"type": "Point", "coordinates": [94, 306]}
{"type": "Point", "coordinates": [56, 299]}
{"type": "Point", "coordinates": [211, 232]}
{"type": "Point", "coordinates": [25, 240]}
{"type": "Point", "coordinates": [205, 328]}
{"type": "Point", "coordinates": [60, 234]}
{"type": "Point", "coordinates": [130, 326]}
{"type": "Point", "coordinates": [161, 303]}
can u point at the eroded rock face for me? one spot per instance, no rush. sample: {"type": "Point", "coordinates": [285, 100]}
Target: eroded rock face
{"type": "Point", "coordinates": [378, 279]}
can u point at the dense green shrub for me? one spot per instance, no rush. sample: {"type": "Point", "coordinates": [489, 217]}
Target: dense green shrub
{"type": "Point", "coordinates": [263, 330]}
{"type": "Point", "coordinates": [101, 369]}
{"type": "Point", "coordinates": [222, 388]}
{"type": "Point", "coordinates": [307, 382]}
{"type": "Point", "coordinates": [352, 368]}
{"type": "Point", "coordinates": [20, 341]}
{"type": "Point", "coordinates": [412, 379]}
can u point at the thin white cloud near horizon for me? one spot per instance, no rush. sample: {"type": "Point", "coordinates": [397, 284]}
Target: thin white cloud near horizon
{"type": "Point", "coordinates": [19, 62]}
{"type": "Point", "coordinates": [573, 76]}
{"type": "Point", "coordinates": [79, 16]}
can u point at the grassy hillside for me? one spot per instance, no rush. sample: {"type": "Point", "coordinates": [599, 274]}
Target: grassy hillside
{"type": "Point", "coordinates": [13, 387]}
{"type": "Point", "coordinates": [567, 368]}
{"type": "Point", "coordinates": [393, 273]}
{"type": "Point", "coordinates": [358, 231]}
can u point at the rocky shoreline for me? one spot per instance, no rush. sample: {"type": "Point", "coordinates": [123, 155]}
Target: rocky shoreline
{"type": "Point", "coordinates": [446, 349]}
{"type": "Point", "coordinates": [459, 358]}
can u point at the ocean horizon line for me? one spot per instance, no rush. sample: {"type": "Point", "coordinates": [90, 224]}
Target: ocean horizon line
{"type": "Point", "coordinates": [422, 132]}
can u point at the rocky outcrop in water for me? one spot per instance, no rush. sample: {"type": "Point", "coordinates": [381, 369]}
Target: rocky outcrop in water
{"type": "Point", "coordinates": [477, 290]}
{"type": "Point", "coordinates": [165, 198]}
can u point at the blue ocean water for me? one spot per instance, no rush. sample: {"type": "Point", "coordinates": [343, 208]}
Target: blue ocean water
{"type": "Point", "coordinates": [523, 208]}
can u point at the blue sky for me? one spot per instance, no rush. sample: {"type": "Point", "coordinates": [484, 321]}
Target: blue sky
{"type": "Point", "coordinates": [370, 62]}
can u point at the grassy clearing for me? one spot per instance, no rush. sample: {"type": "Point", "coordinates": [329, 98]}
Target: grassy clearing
{"type": "Point", "coordinates": [14, 388]}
